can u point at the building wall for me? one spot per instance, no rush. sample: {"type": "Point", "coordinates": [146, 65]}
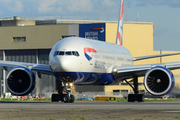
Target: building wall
{"type": "Point", "coordinates": [111, 32]}
{"type": "Point", "coordinates": [94, 31]}
{"type": "Point", "coordinates": [46, 84]}
{"type": "Point", "coordinates": [20, 22]}
{"type": "Point", "coordinates": [73, 30]}
{"type": "Point", "coordinates": [36, 48]}
{"type": "Point", "coordinates": [37, 37]}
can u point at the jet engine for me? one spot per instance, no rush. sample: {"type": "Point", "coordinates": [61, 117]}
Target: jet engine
{"type": "Point", "coordinates": [159, 81]}
{"type": "Point", "coordinates": [20, 81]}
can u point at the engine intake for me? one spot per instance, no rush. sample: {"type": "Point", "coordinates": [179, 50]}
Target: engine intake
{"type": "Point", "coordinates": [20, 81]}
{"type": "Point", "coordinates": [159, 81]}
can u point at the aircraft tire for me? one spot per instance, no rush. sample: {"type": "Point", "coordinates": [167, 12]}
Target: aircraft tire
{"type": "Point", "coordinates": [131, 98]}
{"type": "Point", "coordinates": [55, 98]}
{"type": "Point", "coordinates": [140, 97]}
{"type": "Point", "coordinates": [66, 98]}
{"type": "Point", "coordinates": [72, 98]}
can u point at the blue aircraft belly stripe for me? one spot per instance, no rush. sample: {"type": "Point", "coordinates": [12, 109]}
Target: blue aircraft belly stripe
{"type": "Point", "coordinates": [96, 78]}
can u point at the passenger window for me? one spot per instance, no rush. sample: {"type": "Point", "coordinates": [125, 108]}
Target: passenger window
{"type": "Point", "coordinates": [68, 53]}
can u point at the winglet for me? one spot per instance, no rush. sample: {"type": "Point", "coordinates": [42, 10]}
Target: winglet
{"type": "Point", "coordinates": [120, 25]}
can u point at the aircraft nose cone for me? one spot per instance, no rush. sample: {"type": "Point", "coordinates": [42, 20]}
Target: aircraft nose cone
{"type": "Point", "coordinates": [64, 64]}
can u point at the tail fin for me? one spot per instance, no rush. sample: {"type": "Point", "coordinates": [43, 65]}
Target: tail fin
{"type": "Point", "coordinates": [120, 26]}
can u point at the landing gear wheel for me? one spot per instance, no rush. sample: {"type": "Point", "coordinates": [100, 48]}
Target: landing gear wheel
{"type": "Point", "coordinates": [136, 97]}
{"type": "Point", "coordinates": [72, 98]}
{"type": "Point", "coordinates": [55, 98]}
{"type": "Point", "coordinates": [140, 97]}
{"type": "Point", "coordinates": [66, 98]}
{"type": "Point", "coordinates": [131, 98]}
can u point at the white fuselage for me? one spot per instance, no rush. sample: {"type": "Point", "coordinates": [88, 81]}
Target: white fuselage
{"type": "Point", "coordinates": [85, 58]}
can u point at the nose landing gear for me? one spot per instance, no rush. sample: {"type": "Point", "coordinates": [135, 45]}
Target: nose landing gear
{"type": "Point", "coordinates": [63, 94]}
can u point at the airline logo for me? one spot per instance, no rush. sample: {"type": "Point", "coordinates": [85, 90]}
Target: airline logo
{"type": "Point", "coordinates": [89, 50]}
{"type": "Point", "coordinates": [100, 28]}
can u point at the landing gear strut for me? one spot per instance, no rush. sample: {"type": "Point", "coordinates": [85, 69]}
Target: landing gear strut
{"type": "Point", "coordinates": [135, 97]}
{"type": "Point", "coordinates": [63, 95]}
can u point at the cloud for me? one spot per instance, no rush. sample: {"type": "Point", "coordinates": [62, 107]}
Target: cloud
{"type": "Point", "coordinates": [170, 3]}
{"type": "Point", "coordinates": [11, 5]}
{"type": "Point", "coordinates": [80, 5]}
{"type": "Point", "coordinates": [18, 7]}
{"type": "Point", "coordinates": [108, 3]}
{"type": "Point", "coordinates": [5, 1]}
{"type": "Point", "coordinates": [46, 6]}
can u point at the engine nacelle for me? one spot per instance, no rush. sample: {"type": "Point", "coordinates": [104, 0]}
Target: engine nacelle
{"type": "Point", "coordinates": [20, 81]}
{"type": "Point", "coordinates": [159, 81]}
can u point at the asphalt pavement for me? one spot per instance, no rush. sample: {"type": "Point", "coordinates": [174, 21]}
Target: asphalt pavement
{"type": "Point", "coordinates": [94, 105]}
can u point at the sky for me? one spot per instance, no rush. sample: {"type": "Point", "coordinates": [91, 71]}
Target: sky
{"type": "Point", "coordinates": [165, 14]}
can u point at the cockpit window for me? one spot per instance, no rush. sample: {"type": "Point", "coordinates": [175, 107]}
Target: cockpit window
{"type": "Point", "coordinates": [69, 53]}
{"type": "Point", "coordinates": [75, 53]}
{"type": "Point", "coordinates": [61, 53]}
{"type": "Point", "coordinates": [56, 53]}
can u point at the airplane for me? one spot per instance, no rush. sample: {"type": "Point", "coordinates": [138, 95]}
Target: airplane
{"type": "Point", "coordinates": [83, 61]}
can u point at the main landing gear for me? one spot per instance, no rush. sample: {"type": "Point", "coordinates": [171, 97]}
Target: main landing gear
{"type": "Point", "coordinates": [135, 97]}
{"type": "Point", "coordinates": [63, 95]}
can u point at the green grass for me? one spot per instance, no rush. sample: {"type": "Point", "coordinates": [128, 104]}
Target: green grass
{"type": "Point", "coordinates": [177, 117]}
{"type": "Point", "coordinates": [25, 100]}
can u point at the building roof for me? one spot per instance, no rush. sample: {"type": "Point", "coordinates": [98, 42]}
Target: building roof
{"type": "Point", "coordinates": [131, 22]}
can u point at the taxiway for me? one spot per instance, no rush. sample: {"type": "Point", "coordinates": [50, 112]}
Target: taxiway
{"type": "Point", "coordinates": [94, 105]}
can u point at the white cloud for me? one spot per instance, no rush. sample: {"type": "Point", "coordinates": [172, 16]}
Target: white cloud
{"type": "Point", "coordinates": [6, 1]}
{"type": "Point", "coordinates": [46, 6]}
{"type": "Point", "coordinates": [80, 5]}
{"type": "Point", "coordinates": [12, 6]}
{"type": "Point", "coordinates": [108, 3]}
{"type": "Point", "coordinates": [171, 3]}
{"type": "Point", "coordinates": [18, 7]}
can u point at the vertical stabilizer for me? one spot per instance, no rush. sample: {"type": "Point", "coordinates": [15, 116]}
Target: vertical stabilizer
{"type": "Point", "coordinates": [120, 25]}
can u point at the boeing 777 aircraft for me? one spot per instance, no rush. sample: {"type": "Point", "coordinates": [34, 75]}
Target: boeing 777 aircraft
{"type": "Point", "coordinates": [90, 62]}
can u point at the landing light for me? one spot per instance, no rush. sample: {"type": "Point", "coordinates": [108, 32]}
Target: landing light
{"type": "Point", "coordinates": [114, 70]}
{"type": "Point", "coordinates": [69, 84]}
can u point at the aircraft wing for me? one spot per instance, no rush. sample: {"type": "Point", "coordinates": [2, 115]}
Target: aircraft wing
{"type": "Point", "coordinates": [153, 56]}
{"type": "Point", "coordinates": [126, 72]}
{"type": "Point", "coordinates": [42, 68]}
